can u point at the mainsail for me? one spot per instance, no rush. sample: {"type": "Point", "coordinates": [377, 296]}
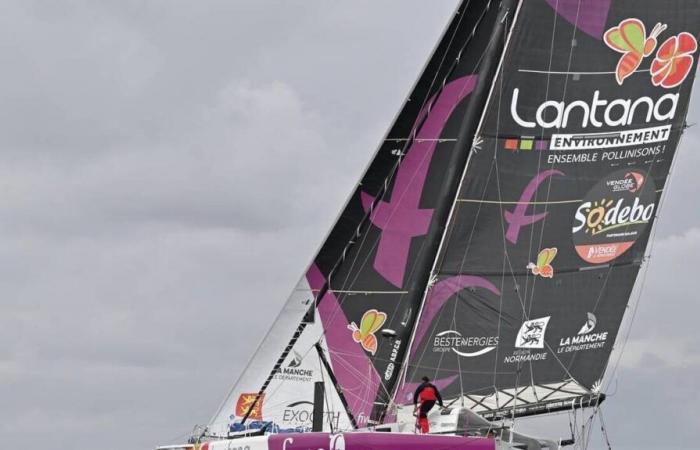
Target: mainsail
{"type": "Point", "coordinates": [562, 187]}
{"type": "Point", "coordinates": [371, 272]}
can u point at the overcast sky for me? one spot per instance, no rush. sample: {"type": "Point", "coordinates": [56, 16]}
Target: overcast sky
{"type": "Point", "coordinates": [167, 171]}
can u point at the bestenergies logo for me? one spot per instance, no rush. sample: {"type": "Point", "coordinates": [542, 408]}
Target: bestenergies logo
{"type": "Point", "coordinates": [613, 216]}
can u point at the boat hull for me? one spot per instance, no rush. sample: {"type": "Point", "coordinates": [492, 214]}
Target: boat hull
{"type": "Point", "coordinates": [352, 441]}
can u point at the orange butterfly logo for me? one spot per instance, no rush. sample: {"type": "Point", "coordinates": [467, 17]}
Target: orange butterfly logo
{"type": "Point", "coordinates": [371, 321]}
{"type": "Point", "coordinates": [630, 38]}
{"type": "Point", "coordinates": [544, 267]}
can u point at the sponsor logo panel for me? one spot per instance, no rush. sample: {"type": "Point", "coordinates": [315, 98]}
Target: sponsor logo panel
{"type": "Point", "coordinates": [609, 121]}
{"type": "Point", "coordinates": [392, 360]}
{"type": "Point", "coordinates": [464, 346]}
{"type": "Point", "coordinates": [294, 370]}
{"type": "Point", "coordinates": [301, 414]}
{"type": "Point", "coordinates": [529, 340]}
{"type": "Point", "coordinates": [532, 332]}
{"type": "Point", "coordinates": [613, 215]}
{"type": "Point", "coordinates": [588, 338]}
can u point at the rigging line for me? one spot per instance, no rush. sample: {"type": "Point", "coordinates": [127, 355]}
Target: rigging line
{"type": "Point", "coordinates": [542, 132]}
{"type": "Point", "coordinates": [604, 429]}
{"type": "Point", "coordinates": [420, 140]}
{"type": "Point", "coordinates": [459, 361]}
{"type": "Point", "coordinates": [302, 326]}
{"type": "Point", "coordinates": [550, 180]}
{"type": "Point", "coordinates": [503, 230]}
{"type": "Point", "coordinates": [497, 202]}
{"type": "Point", "coordinates": [650, 246]}
{"type": "Point", "coordinates": [326, 398]}
{"type": "Point", "coordinates": [539, 158]}
{"type": "Point", "coordinates": [438, 261]}
{"type": "Point", "coordinates": [341, 300]}
{"type": "Point", "coordinates": [477, 64]}
{"type": "Point", "coordinates": [447, 234]}
{"type": "Point", "coordinates": [609, 272]}
{"type": "Point", "coordinates": [350, 292]}
{"type": "Point", "coordinates": [462, 13]}
{"type": "Point", "coordinates": [554, 72]}
{"type": "Point", "coordinates": [380, 195]}
{"type": "Point", "coordinates": [494, 167]}
{"type": "Point", "coordinates": [440, 264]}
{"type": "Point", "coordinates": [535, 203]}
{"type": "Point", "coordinates": [526, 315]}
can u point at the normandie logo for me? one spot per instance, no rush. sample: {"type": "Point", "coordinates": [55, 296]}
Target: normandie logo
{"type": "Point", "coordinates": [532, 333]}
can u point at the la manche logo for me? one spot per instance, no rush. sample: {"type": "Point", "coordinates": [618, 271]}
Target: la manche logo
{"type": "Point", "coordinates": [670, 68]}
{"type": "Point", "coordinates": [586, 339]}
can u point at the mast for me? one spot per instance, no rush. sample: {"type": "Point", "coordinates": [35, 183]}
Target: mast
{"type": "Point", "coordinates": [452, 177]}
{"type": "Point", "coordinates": [473, 147]}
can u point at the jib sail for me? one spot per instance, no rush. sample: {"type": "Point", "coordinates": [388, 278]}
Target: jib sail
{"type": "Point", "coordinates": [555, 209]}
{"type": "Point", "coordinates": [366, 276]}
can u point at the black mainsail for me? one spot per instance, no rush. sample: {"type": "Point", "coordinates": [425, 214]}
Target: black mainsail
{"type": "Point", "coordinates": [552, 219]}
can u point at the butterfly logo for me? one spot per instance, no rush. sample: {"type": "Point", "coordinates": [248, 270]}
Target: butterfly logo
{"type": "Point", "coordinates": [371, 322]}
{"type": "Point", "coordinates": [630, 38]}
{"type": "Point", "coordinates": [544, 267]}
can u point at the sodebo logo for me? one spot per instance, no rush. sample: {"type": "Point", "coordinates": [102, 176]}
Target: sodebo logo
{"type": "Point", "coordinates": [613, 215]}
{"type": "Point", "coordinates": [601, 216]}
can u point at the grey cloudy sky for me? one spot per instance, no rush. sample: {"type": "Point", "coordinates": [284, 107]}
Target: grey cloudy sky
{"type": "Point", "coordinates": [167, 170]}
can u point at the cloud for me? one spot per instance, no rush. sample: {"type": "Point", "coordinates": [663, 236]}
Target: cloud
{"type": "Point", "coordinates": [168, 169]}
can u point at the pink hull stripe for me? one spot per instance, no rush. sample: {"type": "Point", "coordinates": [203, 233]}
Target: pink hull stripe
{"type": "Point", "coordinates": [376, 441]}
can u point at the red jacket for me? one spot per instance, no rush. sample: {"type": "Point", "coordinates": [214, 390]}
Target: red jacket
{"type": "Point", "coordinates": [427, 392]}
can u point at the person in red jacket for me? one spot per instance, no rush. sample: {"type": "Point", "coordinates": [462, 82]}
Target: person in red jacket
{"type": "Point", "coordinates": [424, 399]}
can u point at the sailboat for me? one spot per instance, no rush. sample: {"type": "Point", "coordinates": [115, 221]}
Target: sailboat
{"type": "Point", "coordinates": [493, 242]}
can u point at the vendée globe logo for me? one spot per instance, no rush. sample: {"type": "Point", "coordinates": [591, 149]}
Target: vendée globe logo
{"type": "Point", "coordinates": [613, 215]}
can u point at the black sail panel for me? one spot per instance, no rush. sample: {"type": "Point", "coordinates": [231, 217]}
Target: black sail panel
{"type": "Point", "coordinates": [557, 204]}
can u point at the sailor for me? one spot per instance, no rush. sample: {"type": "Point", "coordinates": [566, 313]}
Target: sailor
{"type": "Point", "coordinates": [424, 399]}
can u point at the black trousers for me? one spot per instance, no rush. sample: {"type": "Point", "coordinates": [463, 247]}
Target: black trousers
{"type": "Point", "coordinates": [425, 408]}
